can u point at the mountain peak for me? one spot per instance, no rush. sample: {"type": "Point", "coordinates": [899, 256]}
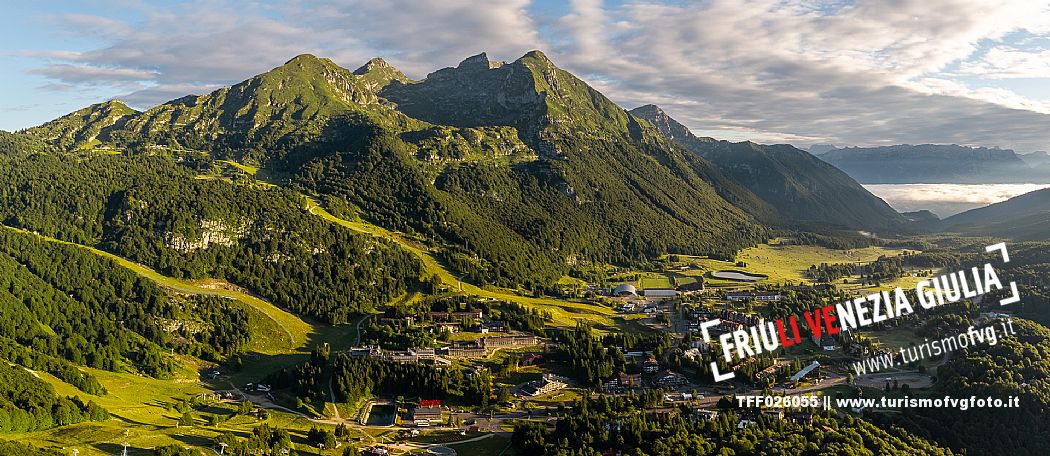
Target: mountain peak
{"type": "Point", "coordinates": [667, 126]}
{"type": "Point", "coordinates": [479, 61]}
{"type": "Point", "coordinates": [648, 109]}
{"type": "Point", "coordinates": [377, 73]}
{"type": "Point", "coordinates": [115, 103]}
{"type": "Point", "coordinates": [301, 59]}
{"type": "Point", "coordinates": [373, 64]}
{"type": "Point", "coordinates": [81, 127]}
{"type": "Point", "coordinates": [535, 54]}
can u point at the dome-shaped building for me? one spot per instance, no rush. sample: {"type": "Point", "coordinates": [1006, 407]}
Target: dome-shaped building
{"type": "Point", "coordinates": [625, 289]}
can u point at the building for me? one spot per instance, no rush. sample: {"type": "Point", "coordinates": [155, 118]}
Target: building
{"type": "Point", "coordinates": [805, 371]}
{"type": "Point", "coordinates": [679, 397]}
{"type": "Point", "coordinates": [509, 341]}
{"type": "Point", "coordinates": [630, 380]}
{"type": "Point", "coordinates": [451, 326]}
{"type": "Point", "coordinates": [773, 413]}
{"type": "Point", "coordinates": [531, 359]}
{"type": "Point", "coordinates": [467, 351]}
{"type": "Point", "coordinates": [625, 290]}
{"type": "Point", "coordinates": [800, 417]}
{"type": "Point", "coordinates": [428, 412]}
{"type": "Point", "coordinates": [771, 370]}
{"type": "Point", "coordinates": [825, 342]}
{"type": "Point", "coordinates": [669, 379]}
{"type": "Point", "coordinates": [705, 415]}
{"type": "Point", "coordinates": [994, 315]}
{"type": "Point", "coordinates": [649, 366]}
{"type": "Point", "coordinates": [546, 385]}
{"type": "Point", "coordinates": [766, 296]}
{"type": "Point", "coordinates": [405, 321]}
{"type": "Point", "coordinates": [659, 294]}
{"type": "Point", "coordinates": [370, 351]}
{"type": "Point", "coordinates": [611, 385]}
{"type": "Point", "coordinates": [690, 288]}
{"type": "Point", "coordinates": [470, 315]}
{"type": "Point", "coordinates": [623, 381]}
{"type": "Point", "coordinates": [492, 326]}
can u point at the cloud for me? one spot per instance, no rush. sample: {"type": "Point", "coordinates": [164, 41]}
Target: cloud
{"type": "Point", "coordinates": [844, 75]}
{"type": "Point", "coordinates": [90, 74]}
{"type": "Point", "coordinates": [1005, 62]}
{"type": "Point", "coordinates": [849, 73]}
{"type": "Point", "coordinates": [947, 199]}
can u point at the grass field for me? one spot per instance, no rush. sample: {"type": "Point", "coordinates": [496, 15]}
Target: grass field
{"type": "Point", "coordinates": [493, 445]}
{"type": "Point", "coordinates": [651, 280]}
{"type": "Point", "coordinates": [782, 263]}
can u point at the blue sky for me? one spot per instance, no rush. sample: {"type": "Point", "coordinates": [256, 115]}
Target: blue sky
{"type": "Point", "coordinates": [800, 71]}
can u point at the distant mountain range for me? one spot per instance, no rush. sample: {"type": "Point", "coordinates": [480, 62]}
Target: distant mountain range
{"type": "Point", "coordinates": [1037, 159]}
{"type": "Point", "coordinates": [936, 164]}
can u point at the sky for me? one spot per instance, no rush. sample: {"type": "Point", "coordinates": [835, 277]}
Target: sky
{"type": "Point", "coordinates": [971, 72]}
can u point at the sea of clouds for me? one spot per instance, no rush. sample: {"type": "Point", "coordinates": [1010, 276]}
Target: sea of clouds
{"type": "Point", "coordinates": [948, 199]}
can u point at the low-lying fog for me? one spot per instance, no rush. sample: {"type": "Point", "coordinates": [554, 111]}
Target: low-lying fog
{"type": "Point", "coordinates": [947, 199]}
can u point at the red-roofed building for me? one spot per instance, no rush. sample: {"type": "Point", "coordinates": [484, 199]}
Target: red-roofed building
{"type": "Point", "coordinates": [428, 412]}
{"type": "Point", "coordinates": [531, 359]}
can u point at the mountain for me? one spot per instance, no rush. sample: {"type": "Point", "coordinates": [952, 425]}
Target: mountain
{"type": "Point", "coordinates": [81, 128]}
{"type": "Point", "coordinates": [802, 188]}
{"type": "Point", "coordinates": [296, 98]}
{"type": "Point", "coordinates": [819, 149]}
{"type": "Point", "coordinates": [1021, 218]}
{"type": "Point", "coordinates": [510, 171]}
{"type": "Point", "coordinates": [931, 164]}
{"type": "Point", "coordinates": [670, 128]}
{"type": "Point", "coordinates": [1036, 159]}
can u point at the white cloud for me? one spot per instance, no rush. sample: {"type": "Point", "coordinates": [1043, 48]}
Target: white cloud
{"type": "Point", "coordinates": [1004, 62]}
{"type": "Point", "coordinates": [860, 73]}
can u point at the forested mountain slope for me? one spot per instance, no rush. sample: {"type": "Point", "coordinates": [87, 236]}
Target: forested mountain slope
{"type": "Point", "coordinates": [178, 214]}
{"type": "Point", "coordinates": [513, 170]}
{"type": "Point", "coordinates": [802, 189]}
{"type": "Point", "coordinates": [1017, 366]}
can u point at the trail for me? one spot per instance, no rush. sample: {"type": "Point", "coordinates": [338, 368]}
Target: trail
{"type": "Point", "coordinates": [357, 329]}
{"type": "Point", "coordinates": [335, 407]}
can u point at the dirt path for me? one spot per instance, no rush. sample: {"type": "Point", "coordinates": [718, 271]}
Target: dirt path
{"type": "Point", "coordinates": [335, 406]}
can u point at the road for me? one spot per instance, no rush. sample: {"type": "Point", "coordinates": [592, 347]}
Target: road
{"type": "Point", "coordinates": [439, 448]}
{"type": "Point", "coordinates": [357, 328]}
